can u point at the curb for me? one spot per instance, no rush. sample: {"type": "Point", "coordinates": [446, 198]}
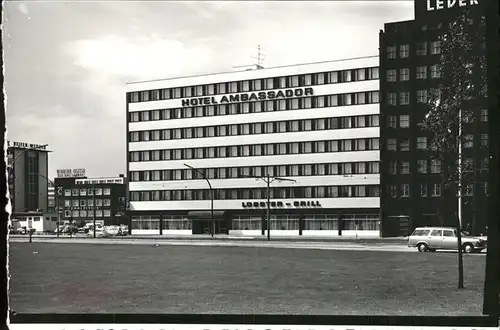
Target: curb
{"type": "Point", "coordinates": [395, 240]}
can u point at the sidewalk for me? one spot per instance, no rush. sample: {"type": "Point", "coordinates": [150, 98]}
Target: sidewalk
{"type": "Point", "coordinates": [348, 239]}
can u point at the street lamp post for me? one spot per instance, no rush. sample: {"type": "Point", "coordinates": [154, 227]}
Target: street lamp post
{"type": "Point", "coordinates": [93, 206]}
{"type": "Point", "coordinates": [211, 196]}
{"type": "Point", "coordinates": [268, 180]}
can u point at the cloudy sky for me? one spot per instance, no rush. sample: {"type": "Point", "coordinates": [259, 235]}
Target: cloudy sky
{"type": "Point", "coordinates": [67, 62]}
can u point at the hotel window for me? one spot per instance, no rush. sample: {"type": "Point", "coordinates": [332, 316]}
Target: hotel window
{"type": "Point", "coordinates": [282, 82]}
{"type": "Point", "coordinates": [134, 116]}
{"type": "Point", "coordinates": [346, 99]}
{"type": "Point", "coordinates": [361, 168]}
{"type": "Point", "coordinates": [256, 150]}
{"type": "Point", "coordinates": [245, 86]}
{"type": "Point", "coordinates": [294, 81]}
{"type": "Point", "coordinates": [485, 164]}
{"type": "Point", "coordinates": [281, 149]}
{"type": "Point", "coordinates": [374, 144]}
{"type": "Point", "coordinates": [422, 166]}
{"type": "Point", "coordinates": [484, 140]}
{"type": "Point", "coordinates": [233, 87]}
{"type": "Point", "coordinates": [307, 102]}
{"type": "Point", "coordinates": [145, 135]}
{"type": "Point", "coordinates": [155, 135]}
{"type": "Point", "coordinates": [435, 47]}
{"type": "Point", "coordinates": [282, 105]}
{"type": "Point", "coordinates": [421, 48]}
{"type": "Point", "coordinates": [306, 147]}
{"type": "Point", "coordinates": [391, 144]}
{"type": "Point", "coordinates": [346, 76]}
{"type": "Point", "coordinates": [484, 115]}
{"type": "Point", "coordinates": [98, 191]}
{"type": "Point", "coordinates": [392, 167]}
{"type": "Point", "coordinates": [221, 88]}
{"type": "Point", "coordinates": [435, 166]}
{"type": "Point", "coordinates": [269, 106]}
{"type": "Point", "coordinates": [155, 114]}
{"type": "Point", "coordinates": [319, 146]}
{"type": "Point", "coordinates": [307, 125]}
{"type": "Point", "coordinates": [404, 145]}
{"type": "Point", "coordinates": [145, 116]}
{"type": "Point", "coordinates": [269, 83]}
{"type": "Point", "coordinates": [391, 75]}
{"type": "Point", "coordinates": [374, 120]}
{"type": "Point", "coordinates": [244, 129]}
{"type": "Point", "coordinates": [346, 145]}
{"type": "Point", "coordinates": [333, 77]}
{"type": "Point", "coordinates": [405, 190]}
{"type": "Point", "coordinates": [308, 80]}
{"type": "Point", "coordinates": [294, 104]}
{"type": "Point", "coordinates": [404, 51]}
{"type": "Point", "coordinates": [422, 96]}
{"type": "Point", "coordinates": [392, 121]}
{"type": "Point", "coordinates": [165, 94]}
{"type": "Point", "coordinates": [421, 143]}
{"type": "Point", "coordinates": [391, 98]}
{"type": "Point", "coordinates": [360, 121]}
{"type": "Point", "coordinates": [269, 149]}
{"type": "Point", "coordinates": [211, 89]}
{"type": "Point", "coordinates": [282, 127]}
{"type": "Point", "coordinates": [404, 74]}
{"type": "Point", "coordinates": [436, 190]}
{"type": "Point", "coordinates": [134, 137]}
{"type": "Point", "coordinates": [404, 168]}
{"type": "Point", "coordinates": [134, 97]}
{"type": "Point", "coordinates": [199, 91]}
{"type": "Point", "coordinates": [145, 96]}
{"type": "Point", "coordinates": [391, 52]}
{"type": "Point", "coordinates": [360, 74]}
{"type": "Point", "coordinates": [404, 121]}
{"type": "Point", "coordinates": [423, 189]}
{"type": "Point", "coordinates": [177, 92]}
{"type": "Point", "coordinates": [188, 91]}
{"type": "Point", "coordinates": [320, 78]}
{"type": "Point", "coordinates": [257, 85]}
{"type": "Point", "coordinates": [421, 72]}
{"type": "Point", "coordinates": [404, 98]}
{"type": "Point", "coordinates": [435, 71]}
{"type": "Point", "coordinates": [374, 73]}
{"type": "Point", "coordinates": [294, 148]}
{"type": "Point", "coordinates": [333, 100]}
{"type": "Point", "coordinates": [75, 202]}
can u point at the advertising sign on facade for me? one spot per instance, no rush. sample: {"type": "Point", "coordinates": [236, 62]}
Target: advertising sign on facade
{"type": "Point", "coordinates": [24, 145]}
{"type": "Point", "coordinates": [247, 97]}
{"type": "Point", "coordinates": [71, 173]}
{"type": "Point", "coordinates": [281, 204]}
{"type": "Point", "coordinates": [445, 4]}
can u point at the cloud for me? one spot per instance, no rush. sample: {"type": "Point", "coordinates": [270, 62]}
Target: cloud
{"type": "Point", "coordinates": [146, 57]}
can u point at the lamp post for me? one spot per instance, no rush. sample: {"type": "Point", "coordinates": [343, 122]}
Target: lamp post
{"type": "Point", "coordinates": [211, 196]}
{"type": "Point", "coordinates": [93, 207]}
{"type": "Point", "coordinates": [268, 180]}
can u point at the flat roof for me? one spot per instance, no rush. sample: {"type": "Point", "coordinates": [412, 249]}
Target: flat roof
{"type": "Point", "coordinates": [262, 69]}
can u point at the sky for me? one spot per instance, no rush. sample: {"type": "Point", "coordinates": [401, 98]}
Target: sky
{"type": "Point", "coordinates": [67, 62]}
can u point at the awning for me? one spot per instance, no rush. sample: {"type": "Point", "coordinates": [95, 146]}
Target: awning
{"type": "Point", "coordinates": [206, 215]}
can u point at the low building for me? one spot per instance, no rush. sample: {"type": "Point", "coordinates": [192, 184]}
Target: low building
{"type": "Point", "coordinates": [40, 221]}
{"type": "Point", "coordinates": [81, 199]}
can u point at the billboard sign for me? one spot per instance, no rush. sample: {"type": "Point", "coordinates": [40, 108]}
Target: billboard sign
{"type": "Point", "coordinates": [71, 173]}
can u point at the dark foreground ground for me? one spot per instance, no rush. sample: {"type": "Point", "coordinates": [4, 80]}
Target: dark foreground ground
{"type": "Point", "coordinates": [80, 278]}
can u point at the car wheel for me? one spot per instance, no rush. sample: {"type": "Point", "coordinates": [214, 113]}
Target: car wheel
{"type": "Point", "coordinates": [422, 247]}
{"type": "Point", "coordinates": [468, 248]}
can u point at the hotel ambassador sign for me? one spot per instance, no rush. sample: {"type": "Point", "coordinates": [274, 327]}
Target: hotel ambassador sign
{"type": "Point", "coordinates": [247, 97]}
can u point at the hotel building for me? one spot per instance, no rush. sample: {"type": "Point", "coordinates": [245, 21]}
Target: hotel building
{"type": "Point", "coordinates": [316, 123]}
{"type": "Point", "coordinates": [412, 192]}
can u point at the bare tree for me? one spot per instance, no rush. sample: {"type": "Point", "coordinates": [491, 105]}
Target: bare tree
{"type": "Point", "coordinates": [451, 106]}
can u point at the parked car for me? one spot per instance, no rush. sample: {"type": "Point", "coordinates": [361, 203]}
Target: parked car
{"type": "Point", "coordinates": [444, 238]}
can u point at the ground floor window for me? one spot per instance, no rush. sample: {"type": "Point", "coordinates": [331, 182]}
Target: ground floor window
{"type": "Point", "coordinates": [365, 221]}
{"type": "Point", "coordinates": [146, 222]}
{"type": "Point", "coordinates": [321, 222]}
{"type": "Point", "coordinates": [246, 223]}
{"type": "Point", "coordinates": [285, 222]}
{"type": "Point", "coordinates": [177, 223]}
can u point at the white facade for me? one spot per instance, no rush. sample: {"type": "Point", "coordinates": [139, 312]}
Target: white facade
{"type": "Point", "coordinates": [326, 140]}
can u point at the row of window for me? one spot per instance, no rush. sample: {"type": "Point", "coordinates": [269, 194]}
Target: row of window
{"type": "Point", "coordinates": [269, 149]}
{"type": "Point", "coordinates": [256, 128]}
{"type": "Point", "coordinates": [86, 214]}
{"type": "Point", "coordinates": [433, 166]}
{"type": "Point", "coordinates": [87, 202]}
{"type": "Point", "coordinates": [257, 193]}
{"type": "Point", "coordinates": [404, 120]}
{"type": "Point", "coordinates": [87, 192]}
{"type": "Point", "coordinates": [404, 144]}
{"type": "Point", "coordinates": [256, 85]}
{"type": "Point", "coordinates": [278, 222]}
{"type": "Point", "coordinates": [323, 101]}
{"type": "Point", "coordinates": [421, 49]}
{"type": "Point", "coordinates": [257, 171]}
{"type": "Point", "coordinates": [420, 73]}
{"type": "Point", "coordinates": [435, 190]}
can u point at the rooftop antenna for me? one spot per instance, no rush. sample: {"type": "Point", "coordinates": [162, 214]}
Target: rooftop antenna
{"type": "Point", "coordinates": [258, 65]}
{"type": "Point", "coordinates": [260, 58]}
